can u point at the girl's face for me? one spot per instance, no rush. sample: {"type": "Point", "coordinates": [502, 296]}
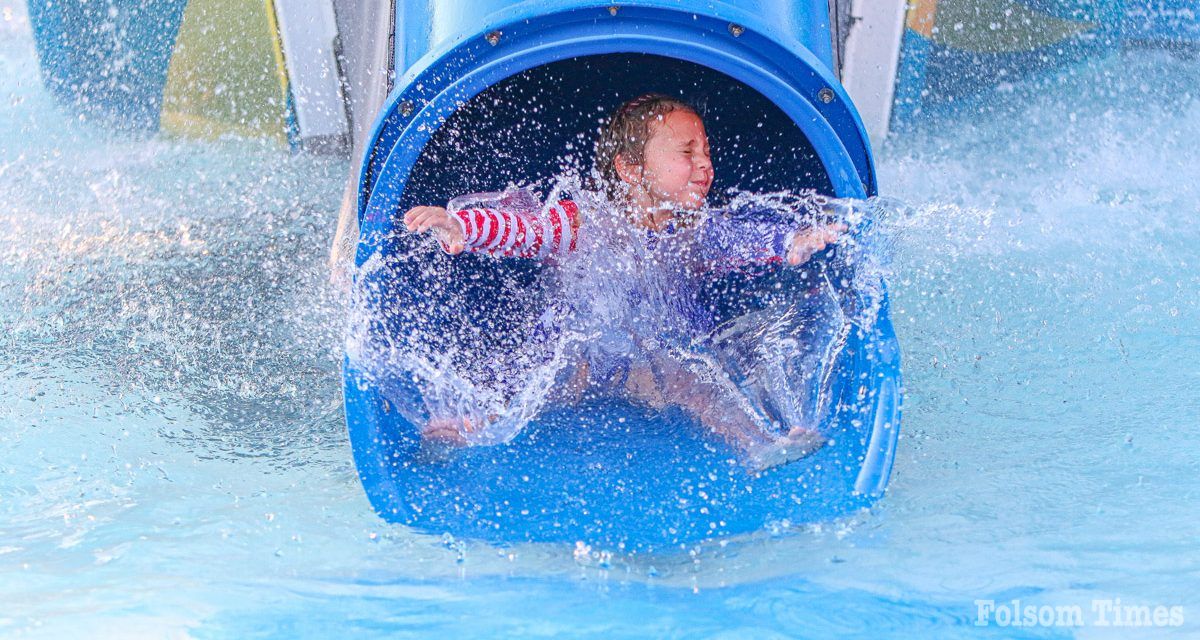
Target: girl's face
{"type": "Point", "coordinates": [676, 170]}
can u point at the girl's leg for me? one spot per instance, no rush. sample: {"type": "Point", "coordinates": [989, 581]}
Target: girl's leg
{"type": "Point", "coordinates": [718, 405]}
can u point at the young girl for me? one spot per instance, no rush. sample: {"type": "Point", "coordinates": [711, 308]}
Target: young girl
{"type": "Point", "coordinates": [653, 160]}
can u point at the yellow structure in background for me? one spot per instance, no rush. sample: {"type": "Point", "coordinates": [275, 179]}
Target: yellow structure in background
{"type": "Point", "coordinates": [227, 74]}
{"type": "Point", "coordinates": [989, 26]}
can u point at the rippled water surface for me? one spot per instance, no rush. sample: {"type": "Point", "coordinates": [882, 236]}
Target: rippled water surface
{"type": "Point", "coordinates": [173, 457]}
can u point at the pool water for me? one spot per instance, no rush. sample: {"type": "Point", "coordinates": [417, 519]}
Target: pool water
{"type": "Point", "coordinates": [174, 462]}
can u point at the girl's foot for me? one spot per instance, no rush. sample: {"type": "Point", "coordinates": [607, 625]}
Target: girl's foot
{"type": "Point", "coordinates": [452, 433]}
{"type": "Point", "coordinates": [798, 443]}
{"type": "Point", "coordinates": [447, 432]}
{"type": "Point", "coordinates": [440, 437]}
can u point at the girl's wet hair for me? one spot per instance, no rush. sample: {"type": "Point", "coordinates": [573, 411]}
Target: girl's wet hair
{"type": "Point", "coordinates": [628, 130]}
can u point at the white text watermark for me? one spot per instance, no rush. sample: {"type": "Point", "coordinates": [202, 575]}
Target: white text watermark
{"type": "Point", "coordinates": [1101, 612]}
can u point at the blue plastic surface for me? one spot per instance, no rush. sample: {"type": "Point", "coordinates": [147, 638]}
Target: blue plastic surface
{"type": "Point", "coordinates": [474, 113]}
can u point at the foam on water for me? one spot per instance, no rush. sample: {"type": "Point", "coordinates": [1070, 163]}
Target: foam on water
{"type": "Point", "coordinates": [173, 459]}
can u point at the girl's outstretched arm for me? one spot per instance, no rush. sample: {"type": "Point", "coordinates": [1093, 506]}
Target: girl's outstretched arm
{"type": "Point", "coordinates": [806, 242]}
{"type": "Point", "coordinates": [438, 221]}
{"type": "Point", "coordinates": [738, 239]}
{"type": "Point", "coordinates": [524, 234]}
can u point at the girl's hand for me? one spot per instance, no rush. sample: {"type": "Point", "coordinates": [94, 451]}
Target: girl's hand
{"type": "Point", "coordinates": [809, 241]}
{"type": "Point", "coordinates": [437, 219]}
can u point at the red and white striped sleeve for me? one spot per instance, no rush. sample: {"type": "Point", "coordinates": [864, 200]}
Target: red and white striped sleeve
{"type": "Point", "coordinates": [522, 234]}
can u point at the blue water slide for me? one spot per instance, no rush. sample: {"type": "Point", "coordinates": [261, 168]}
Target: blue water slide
{"type": "Point", "coordinates": [490, 92]}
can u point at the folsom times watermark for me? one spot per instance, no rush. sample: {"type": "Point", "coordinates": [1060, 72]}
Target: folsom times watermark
{"type": "Point", "coordinates": [1108, 612]}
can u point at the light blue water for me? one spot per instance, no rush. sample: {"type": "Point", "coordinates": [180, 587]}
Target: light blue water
{"type": "Point", "coordinates": [173, 459]}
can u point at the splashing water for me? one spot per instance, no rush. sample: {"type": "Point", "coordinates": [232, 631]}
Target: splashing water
{"type": "Point", "coordinates": [1043, 268]}
{"type": "Point", "coordinates": [627, 312]}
